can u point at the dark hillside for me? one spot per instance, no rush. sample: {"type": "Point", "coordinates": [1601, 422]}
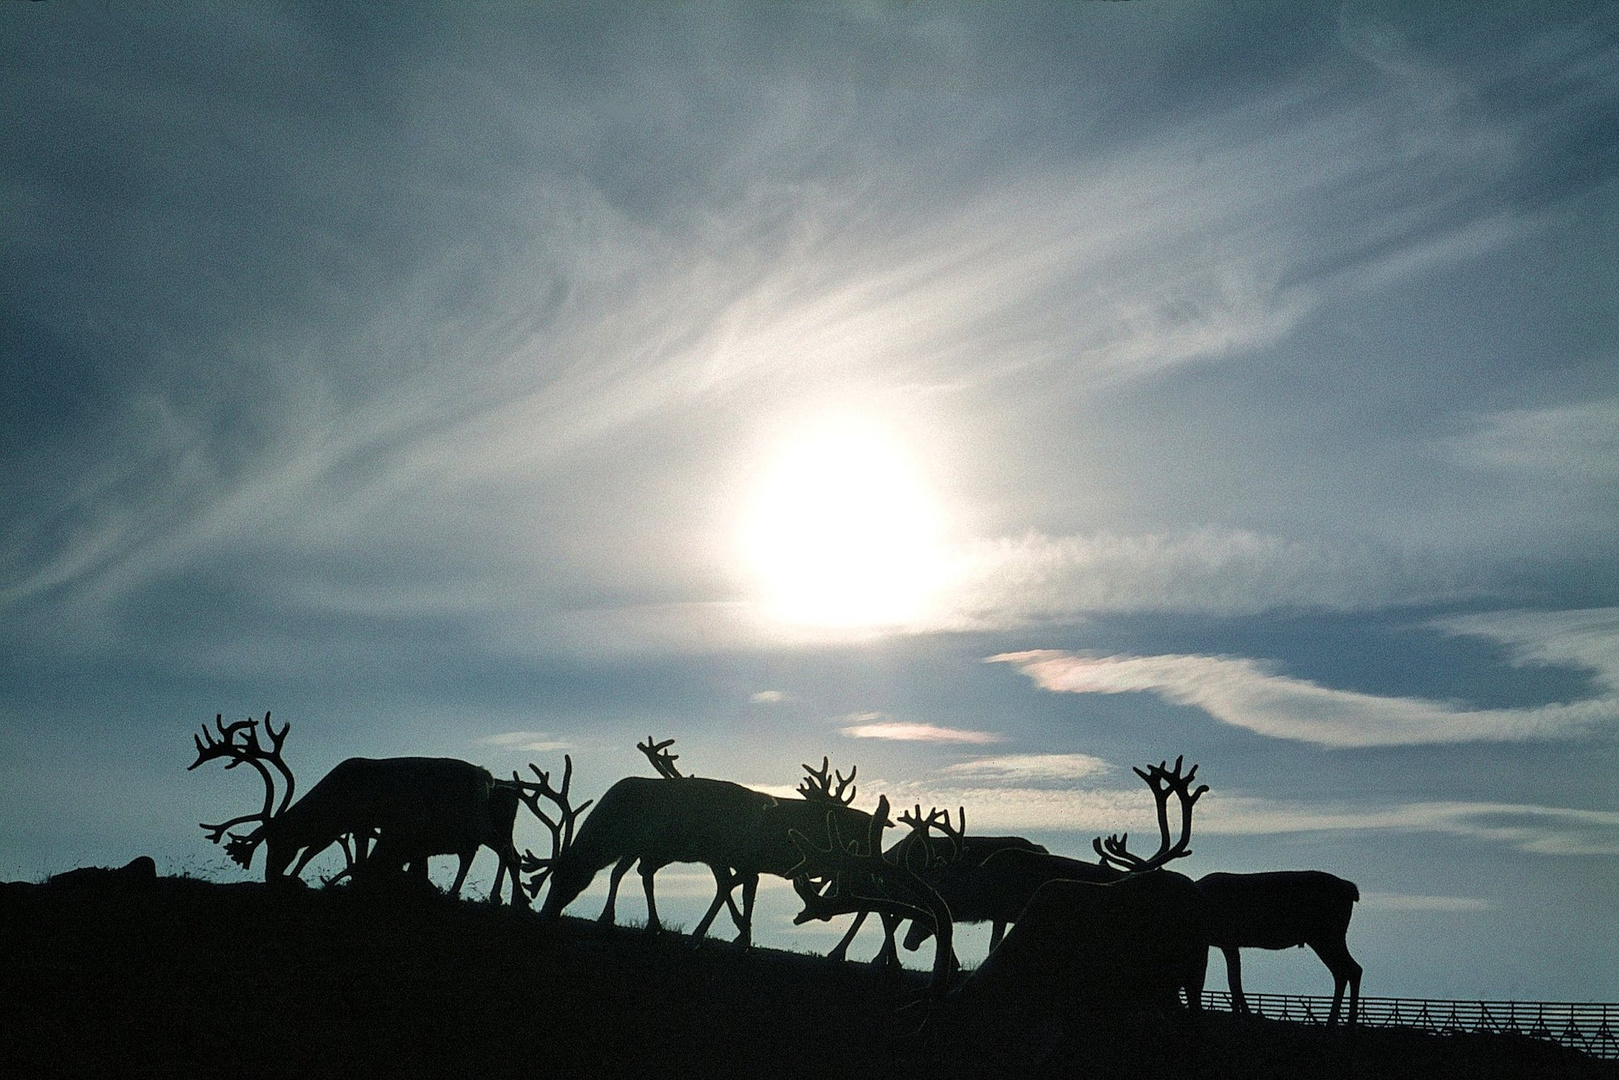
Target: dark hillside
{"type": "Point", "coordinates": [102, 975]}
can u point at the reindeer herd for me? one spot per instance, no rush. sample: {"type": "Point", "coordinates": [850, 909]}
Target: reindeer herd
{"type": "Point", "coordinates": [1066, 933]}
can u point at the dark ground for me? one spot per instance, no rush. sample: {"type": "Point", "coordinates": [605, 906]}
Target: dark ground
{"type": "Point", "coordinates": [108, 975]}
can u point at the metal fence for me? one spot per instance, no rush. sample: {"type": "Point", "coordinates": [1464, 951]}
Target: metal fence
{"type": "Point", "coordinates": [1592, 1027]}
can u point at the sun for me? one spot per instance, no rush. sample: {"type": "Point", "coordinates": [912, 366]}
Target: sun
{"type": "Point", "coordinates": [843, 532]}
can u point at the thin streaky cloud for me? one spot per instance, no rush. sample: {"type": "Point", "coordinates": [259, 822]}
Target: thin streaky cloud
{"type": "Point", "coordinates": [1011, 582]}
{"type": "Point", "coordinates": [1029, 767]}
{"type": "Point", "coordinates": [1090, 812]}
{"type": "Point", "coordinates": [1571, 442]}
{"type": "Point", "coordinates": [1383, 901]}
{"type": "Point", "coordinates": [1248, 693]}
{"type": "Point", "coordinates": [538, 741]}
{"type": "Point", "coordinates": [899, 731]}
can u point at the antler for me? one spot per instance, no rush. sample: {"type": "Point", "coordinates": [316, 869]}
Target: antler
{"type": "Point", "coordinates": [662, 760]}
{"type": "Point", "coordinates": [817, 784]}
{"type": "Point", "coordinates": [561, 828]}
{"type": "Point", "coordinates": [1163, 782]}
{"type": "Point", "coordinates": [857, 878]}
{"type": "Point", "coordinates": [239, 741]}
{"type": "Point", "coordinates": [937, 819]}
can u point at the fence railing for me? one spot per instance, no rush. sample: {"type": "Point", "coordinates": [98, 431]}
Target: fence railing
{"type": "Point", "coordinates": [1592, 1027]}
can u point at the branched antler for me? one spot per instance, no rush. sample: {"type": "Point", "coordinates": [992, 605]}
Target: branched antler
{"type": "Point", "coordinates": [854, 877]}
{"type": "Point", "coordinates": [817, 784]}
{"type": "Point", "coordinates": [1164, 781]}
{"type": "Point", "coordinates": [937, 819]}
{"type": "Point", "coordinates": [239, 743]}
{"type": "Point", "coordinates": [561, 827]}
{"type": "Point", "coordinates": [662, 760]}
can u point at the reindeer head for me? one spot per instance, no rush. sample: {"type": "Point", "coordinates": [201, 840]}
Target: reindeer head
{"type": "Point", "coordinates": [239, 743]}
{"type": "Point", "coordinates": [560, 827]}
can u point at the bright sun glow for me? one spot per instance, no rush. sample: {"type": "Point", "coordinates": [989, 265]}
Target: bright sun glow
{"type": "Point", "coordinates": [843, 533]}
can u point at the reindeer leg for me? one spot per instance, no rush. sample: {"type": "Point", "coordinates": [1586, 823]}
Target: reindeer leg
{"type": "Point", "coordinates": [888, 956]}
{"type": "Point", "coordinates": [461, 874]}
{"type": "Point", "coordinates": [647, 874]}
{"type": "Point", "coordinates": [1233, 974]}
{"type": "Point", "coordinates": [750, 887]}
{"type": "Point", "coordinates": [508, 865]}
{"type": "Point", "coordinates": [308, 856]}
{"type": "Point", "coordinates": [500, 882]}
{"type": "Point", "coordinates": [623, 867]}
{"type": "Point", "coordinates": [723, 884]}
{"type": "Point", "coordinates": [1345, 973]}
{"type": "Point", "coordinates": [506, 855]}
{"type": "Point", "coordinates": [1197, 973]}
{"type": "Point", "coordinates": [841, 949]}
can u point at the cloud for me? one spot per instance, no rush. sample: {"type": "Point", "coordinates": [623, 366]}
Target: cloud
{"type": "Point", "coordinates": [1090, 812]}
{"type": "Point", "coordinates": [1405, 902]}
{"type": "Point", "coordinates": [1585, 637]}
{"type": "Point", "coordinates": [1545, 830]}
{"type": "Point", "coordinates": [1029, 767]}
{"type": "Point", "coordinates": [1007, 583]}
{"type": "Point", "coordinates": [767, 697]}
{"type": "Point", "coordinates": [525, 740]}
{"type": "Point", "coordinates": [1573, 442]}
{"type": "Point", "coordinates": [1249, 694]}
{"type": "Point", "coordinates": [871, 726]}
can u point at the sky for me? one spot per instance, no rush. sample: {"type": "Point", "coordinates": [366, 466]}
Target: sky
{"type": "Point", "coordinates": [990, 397]}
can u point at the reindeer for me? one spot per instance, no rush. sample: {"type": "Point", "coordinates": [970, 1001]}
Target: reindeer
{"type": "Point", "coordinates": [655, 822]}
{"type": "Point", "coordinates": [954, 878]}
{"type": "Point", "coordinates": [1124, 931]}
{"type": "Point", "coordinates": [998, 887]}
{"type": "Point", "coordinates": [1279, 910]}
{"type": "Point", "coordinates": [1133, 943]}
{"type": "Point", "coordinates": [847, 877]}
{"type": "Point", "coordinates": [778, 855]}
{"type": "Point", "coordinates": [737, 832]}
{"type": "Point", "coordinates": [960, 880]}
{"type": "Point", "coordinates": [416, 807]}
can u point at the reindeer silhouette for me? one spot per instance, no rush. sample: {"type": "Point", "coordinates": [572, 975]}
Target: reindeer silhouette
{"type": "Point", "coordinates": [1279, 910]}
{"type": "Point", "coordinates": [415, 806]}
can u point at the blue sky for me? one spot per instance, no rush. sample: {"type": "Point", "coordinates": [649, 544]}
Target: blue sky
{"type": "Point", "coordinates": [993, 397]}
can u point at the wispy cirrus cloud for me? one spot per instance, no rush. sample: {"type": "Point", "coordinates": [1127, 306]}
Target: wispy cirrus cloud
{"type": "Point", "coordinates": [1011, 582]}
{"type": "Point", "coordinates": [875, 726]}
{"type": "Point", "coordinates": [1251, 694]}
{"type": "Point", "coordinates": [1383, 901]}
{"type": "Point", "coordinates": [1029, 767]}
{"type": "Point", "coordinates": [1545, 830]}
{"type": "Point", "coordinates": [1575, 442]}
{"type": "Point", "coordinates": [538, 741]}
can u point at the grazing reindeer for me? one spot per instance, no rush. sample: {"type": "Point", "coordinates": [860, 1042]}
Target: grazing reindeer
{"type": "Point", "coordinates": [1132, 941]}
{"type": "Point", "coordinates": [655, 822]}
{"type": "Point", "coordinates": [778, 855]}
{"type": "Point", "coordinates": [997, 888]}
{"type": "Point", "coordinates": [959, 880]}
{"type": "Point", "coordinates": [417, 807]}
{"type": "Point", "coordinates": [1081, 946]}
{"type": "Point", "coordinates": [561, 828]}
{"type": "Point", "coordinates": [846, 876]}
{"type": "Point", "coordinates": [1279, 910]}
{"type": "Point", "coordinates": [913, 852]}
